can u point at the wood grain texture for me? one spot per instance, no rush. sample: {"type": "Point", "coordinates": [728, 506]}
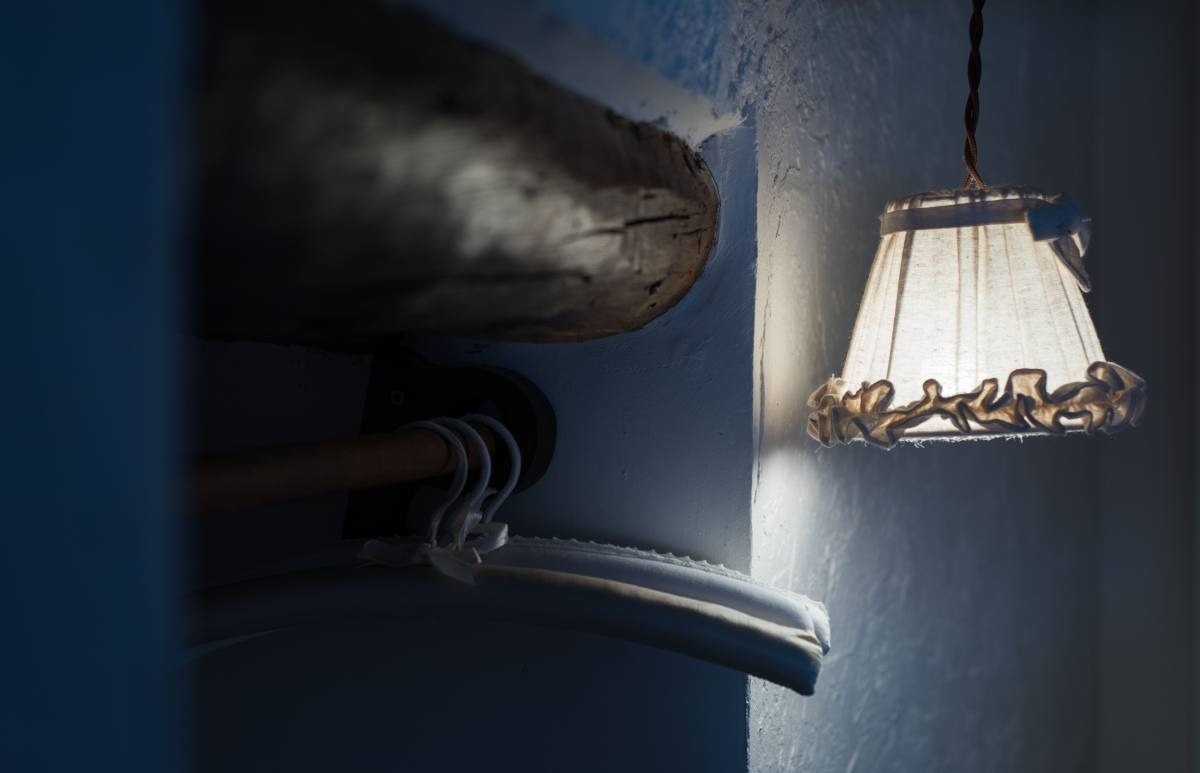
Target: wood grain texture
{"type": "Point", "coordinates": [362, 172]}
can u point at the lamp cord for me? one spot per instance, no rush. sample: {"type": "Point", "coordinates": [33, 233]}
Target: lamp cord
{"type": "Point", "coordinates": [971, 114]}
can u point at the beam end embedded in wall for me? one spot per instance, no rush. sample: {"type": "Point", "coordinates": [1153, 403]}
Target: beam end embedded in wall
{"type": "Point", "coordinates": [363, 172]}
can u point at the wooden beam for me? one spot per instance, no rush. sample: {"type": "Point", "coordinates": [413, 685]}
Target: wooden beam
{"type": "Point", "coordinates": [362, 172]}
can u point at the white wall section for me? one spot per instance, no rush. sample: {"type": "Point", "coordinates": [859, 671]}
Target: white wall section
{"type": "Point", "coordinates": [995, 606]}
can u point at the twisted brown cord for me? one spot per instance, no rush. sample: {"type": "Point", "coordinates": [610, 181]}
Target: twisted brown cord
{"type": "Point", "coordinates": [971, 114]}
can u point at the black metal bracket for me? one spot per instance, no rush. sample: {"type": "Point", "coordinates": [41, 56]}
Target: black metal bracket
{"type": "Point", "coordinates": [404, 387]}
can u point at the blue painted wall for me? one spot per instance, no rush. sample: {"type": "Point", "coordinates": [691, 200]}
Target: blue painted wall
{"type": "Point", "coordinates": [89, 314]}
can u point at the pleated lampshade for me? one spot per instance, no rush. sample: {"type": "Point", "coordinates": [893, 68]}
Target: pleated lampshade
{"type": "Point", "coordinates": [973, 325]}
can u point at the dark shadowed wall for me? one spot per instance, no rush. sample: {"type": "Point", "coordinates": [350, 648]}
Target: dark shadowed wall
{"type": "Point", "coordinates": [996, 607]}
{"type": "Point", "coordinates": [89, 445]}
{"type": "Point", "coordinates": [1144, 158]}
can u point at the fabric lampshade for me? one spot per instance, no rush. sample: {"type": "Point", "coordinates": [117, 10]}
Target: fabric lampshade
{"type": "Point", "coordinates": [973, 325]}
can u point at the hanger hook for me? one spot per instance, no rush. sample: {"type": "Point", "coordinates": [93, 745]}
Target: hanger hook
{"type": "Point", "coordinates": [514, 472]}
{"type": "Point", "coordinates": [473, 500]}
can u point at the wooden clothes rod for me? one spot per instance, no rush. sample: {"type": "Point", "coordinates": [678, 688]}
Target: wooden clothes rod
{"type": "Point", "coordinates": [260, 476]}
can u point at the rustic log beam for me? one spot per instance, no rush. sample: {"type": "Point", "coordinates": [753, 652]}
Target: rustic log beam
{"type": "Point", "coordinates": [363, 172]}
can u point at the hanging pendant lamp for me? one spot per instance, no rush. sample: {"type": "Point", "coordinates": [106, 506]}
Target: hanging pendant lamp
{"type": "Point", "coordinates": [973, 323]}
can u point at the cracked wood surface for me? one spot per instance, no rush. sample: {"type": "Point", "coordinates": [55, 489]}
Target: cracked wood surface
{"type": "Point", "coordinates": [362, 172]}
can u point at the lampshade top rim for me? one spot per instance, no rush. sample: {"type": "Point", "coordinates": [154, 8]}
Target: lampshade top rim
{"type": "Point", "coordinates": [950, 197]}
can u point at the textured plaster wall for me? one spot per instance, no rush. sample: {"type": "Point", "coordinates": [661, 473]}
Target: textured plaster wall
{"type": "Point", "coordinates": [961, 579]}
{"type": "Point", "coordinates": [655, 450]}
{"type": "Point", "coordinates": [980, 592]}
{"type": "Point", "coordinates": [655, 442]}
{"type": "Point", "coordinates": [990, 601]}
